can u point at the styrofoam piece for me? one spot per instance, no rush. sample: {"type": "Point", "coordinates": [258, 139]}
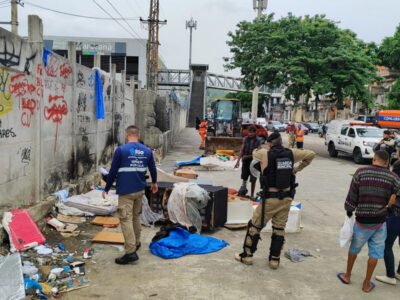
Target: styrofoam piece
{"type": "Point", "coordinates": [214, 162]}
{"type": "Point", "coordinates": [239, 212]}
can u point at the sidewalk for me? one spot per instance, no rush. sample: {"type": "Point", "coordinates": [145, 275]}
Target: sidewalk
{"type": "Point", "coordinates": [323, 188]}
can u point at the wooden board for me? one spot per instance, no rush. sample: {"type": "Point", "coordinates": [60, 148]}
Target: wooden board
{"type": "Point", "coordinates": [109, 237]}
{"type": "Point", "coordinates": [106, 221]}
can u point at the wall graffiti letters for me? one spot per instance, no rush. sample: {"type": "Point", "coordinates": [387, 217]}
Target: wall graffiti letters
{"type": "Point", "coordinates": [55, 111]}
{"type": "Point", "coordinates": [23, 88]}
{"type": "Point", "coordinates": [6, 133]}
{"type": "Point", "coordinates": [6, 104]}
{"type": "Point", "coordinates": [52, 66]}
{"type": "Point", "coordinates": [83, 122]}
{"type": "Point", "coordinates": [81, 79]}
{"type": "Point", "coordinates": [29, 64]}
{"type": "Point", "coordinates": [10, 54]}
{"type": "Point", "coordinates": [25, 155]}
{"type": "Point", "coordinates": [81, 102]}
{"type": "Point", "coordinates": [65, 70]}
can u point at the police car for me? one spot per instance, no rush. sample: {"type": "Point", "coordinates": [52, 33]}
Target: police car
{"type": "Point", "coordinates": [352, 138]}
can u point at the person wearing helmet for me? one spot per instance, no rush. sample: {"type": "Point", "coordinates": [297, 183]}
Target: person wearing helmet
{"type": "Point", "coordinates": [278, 167]}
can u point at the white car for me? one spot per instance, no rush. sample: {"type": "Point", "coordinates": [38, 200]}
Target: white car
{"type": "Point", "coordinates": [262, 122]}
{"type": "Point", "coordinates": [352, 138]}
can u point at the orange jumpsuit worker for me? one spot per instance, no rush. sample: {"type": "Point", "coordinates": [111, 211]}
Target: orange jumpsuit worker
{"type": "Point", "coordinates": [203, 133]}
{"type": "Point", "coordinates": [299, 137]}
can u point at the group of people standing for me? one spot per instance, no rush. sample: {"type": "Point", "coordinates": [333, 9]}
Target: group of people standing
{"type": "Point", "coordinates": [296, 136]}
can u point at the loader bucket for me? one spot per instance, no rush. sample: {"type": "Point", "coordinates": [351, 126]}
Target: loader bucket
{"type": "Point", "coordinates": [223, 143]}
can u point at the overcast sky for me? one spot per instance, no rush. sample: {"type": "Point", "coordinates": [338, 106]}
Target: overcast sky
{"type": "Point", "coordinates": [372, 20]}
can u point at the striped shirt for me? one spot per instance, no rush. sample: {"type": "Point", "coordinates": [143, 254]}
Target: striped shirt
{"type": "Point", "coordinates": [369, 194]}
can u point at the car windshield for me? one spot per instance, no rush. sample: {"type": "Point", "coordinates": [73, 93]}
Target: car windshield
{"type": "Point", "coordinates": [276, 123]}
{"type": "Point", "coordinates": [313, 124]}
{"type": "Point", "coordinates": [370, 132]}
{"type": "Point", "coordinates": [225, 110]}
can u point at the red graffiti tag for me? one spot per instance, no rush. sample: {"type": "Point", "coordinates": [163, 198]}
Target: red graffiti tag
{"type": "Point", "coordinates": [56, 111]}
{"type": "Point", "coordinates": [52, 67]}
{"type": "Point", "coordinates": [29, 106]}
{"type": "Point", "coordinates": [65, 71]}
{"type": "Point", "coordinates": [20, 86]}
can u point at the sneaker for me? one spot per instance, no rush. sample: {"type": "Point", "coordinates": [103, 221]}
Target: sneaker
{"type": "Point", "coordinates": [274, 264]}
{"type": "Point", "coordinates": [386, 279]}
{"type": "Point", "coordinates": [244, 259]}
{"type": "Point", "coordinates": [397, 275]}
{"type": "Point", "coordinates": [127, 258]}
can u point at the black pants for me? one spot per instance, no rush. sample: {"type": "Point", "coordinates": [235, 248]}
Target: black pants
{"type": "Point", "coordinates": [246, 171]}
{"type": "Point", "coordinates": [393, 232]}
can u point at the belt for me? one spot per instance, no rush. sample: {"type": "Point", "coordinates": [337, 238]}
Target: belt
{"type": "Point", "coordinates": [280, 195]}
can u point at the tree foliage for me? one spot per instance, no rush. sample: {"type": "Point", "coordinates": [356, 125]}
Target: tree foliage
{"type": "Point", "coordinates": [394, 96]}
{"type": "Point", "coordinates": [309, 54]}
{"type": "Point", "coordinates": [389, 51]}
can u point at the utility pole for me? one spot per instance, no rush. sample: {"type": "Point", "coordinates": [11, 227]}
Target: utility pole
{"type": "Point", "coordinates": [153, 23]}
{"type": "Point", "coordinates": [14, 16]}
{"type": "Point", "coordinates": [191, 24]}
{"type": "Point", "coordinates": [259, 6]}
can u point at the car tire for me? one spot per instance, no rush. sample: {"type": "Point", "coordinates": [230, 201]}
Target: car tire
{"type": "Point", "coordinates": [332, 150]}
{"type": "Point", "coordinates": [357, 156]}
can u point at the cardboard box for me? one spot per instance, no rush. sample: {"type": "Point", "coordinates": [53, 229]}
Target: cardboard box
{"type": "Point", "coordinates": [186, 173]}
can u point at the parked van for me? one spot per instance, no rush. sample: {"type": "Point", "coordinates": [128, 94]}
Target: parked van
{"type": "Point", "coordinates": [352, 138]}
{"type": "Point", "coordinates": [388, 119]}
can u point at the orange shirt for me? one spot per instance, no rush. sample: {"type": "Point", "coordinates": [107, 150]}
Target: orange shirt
{"type": "Point", "coordinates": [299, 135]}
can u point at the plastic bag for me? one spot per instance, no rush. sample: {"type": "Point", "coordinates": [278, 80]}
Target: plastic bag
{"type": "Point", "coordinates": [346, 232]}
{"type": "Point", "coordinates": [184, 203]}
{"type": "Point", "coordinates": [148, 217]}
{"type": "Point", "coordinates": [11, 278]}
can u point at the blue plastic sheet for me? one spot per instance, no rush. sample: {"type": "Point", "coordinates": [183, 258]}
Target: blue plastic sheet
{"type": "Point", "coordinates": [195, 161]}
{"type": "Point", "coordinates": [180, 243]}
{"type": "Point", "coordinates": [100, 113]}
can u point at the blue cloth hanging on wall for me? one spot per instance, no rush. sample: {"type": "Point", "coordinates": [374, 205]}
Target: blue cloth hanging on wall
{"type": "Point", "coordinates": [46, 54]}
{"type": "Point", "coordinates": [100, 113]}
{"type": "Point", "coordinates": [180, 242]}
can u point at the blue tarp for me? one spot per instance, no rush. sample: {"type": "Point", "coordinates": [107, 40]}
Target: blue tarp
{"type": "Point", "coordinates": [100, 114]}
{"type": "Point", "coordinates": [195, 161]}
{"type": "Point", "coordinates": [180, 243]}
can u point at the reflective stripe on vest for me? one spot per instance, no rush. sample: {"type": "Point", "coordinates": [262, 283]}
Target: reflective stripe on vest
{"type": "Point", "coordinates": [132, 169]}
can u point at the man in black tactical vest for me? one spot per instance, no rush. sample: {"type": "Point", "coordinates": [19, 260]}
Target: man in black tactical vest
{"type": "Point", "coordinates": [278, 168]}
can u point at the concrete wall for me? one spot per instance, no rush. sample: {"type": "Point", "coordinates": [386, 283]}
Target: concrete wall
{"type": "Point", "coordinates": [50, 137]}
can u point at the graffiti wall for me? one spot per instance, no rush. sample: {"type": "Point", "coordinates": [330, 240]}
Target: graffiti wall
{"type": "Point", "coordinates": [49, 133]}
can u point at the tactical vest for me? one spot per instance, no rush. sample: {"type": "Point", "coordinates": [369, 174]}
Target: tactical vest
{"type": "Point", "coordinates": [279, 172]}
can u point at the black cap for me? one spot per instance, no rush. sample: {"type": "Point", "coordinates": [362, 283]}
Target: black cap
{"type": "Point", "coordinates": [273, 136]}
{"type": "Point", "coordinates": [387, 132]}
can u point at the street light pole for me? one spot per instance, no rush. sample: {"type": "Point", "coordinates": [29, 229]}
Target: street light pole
{"type": "Point", "coordinates": [260, 6]}
{"type": "Point", "coordinates": [14, 16]}
{"type": "Point", "coordinates": [191, 24]}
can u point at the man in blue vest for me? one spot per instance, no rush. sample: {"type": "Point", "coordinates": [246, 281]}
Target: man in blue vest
{"type": "Point", "coordinates": [129, 167]}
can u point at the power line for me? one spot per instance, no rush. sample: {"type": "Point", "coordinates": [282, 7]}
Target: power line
{"type": "Point", "coordinates": [77, 15]}
{"type": "Point", "coordinates": [123, 27]}
{"type": "Point", "coordinates": [117, 11]}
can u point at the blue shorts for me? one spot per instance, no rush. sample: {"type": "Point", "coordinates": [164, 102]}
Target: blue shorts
{"type": "Point", "coordinates": [375, 235]}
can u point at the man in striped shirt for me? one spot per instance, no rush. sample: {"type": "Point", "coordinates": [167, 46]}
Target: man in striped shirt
{"type": "Point", "coordinates": [371, 191]}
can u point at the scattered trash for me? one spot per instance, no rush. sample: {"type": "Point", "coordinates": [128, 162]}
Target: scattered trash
{"type": "Point", "coordinates": [109, 237]}
{"type": "Point", "coordinates": [109, 222]}
{"type": "Point", "coordinates": [148, 217]}
{"type": "Point", "coordinates": [22, 230]}
{"type": "Point", "coordinates": [193, 162]}
{"type": "Point", "coordinates": [297, 255]}
{"type": "Point", "coordinates": [60, 246]}
{"type": "Point", "coordinates": [89, 252]}
{"type": "Point", "coordinates": [60, 226]}
{"type": "Point", "coordinates": [186, 173]}
{"type": "Point", "coordinates": [29, 269]}
{"type": "Point", "coordinates": [11, 277]}
{"type": "Point", "coordinates": [71, 219]}
{"type": "Point", "coordinates": [78, 267]}
{"type": "Point", "coordinates": [43, 250]}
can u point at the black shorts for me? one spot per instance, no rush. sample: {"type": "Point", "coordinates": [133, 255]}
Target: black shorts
{"type": "Point", "coordinates": [246, 170]}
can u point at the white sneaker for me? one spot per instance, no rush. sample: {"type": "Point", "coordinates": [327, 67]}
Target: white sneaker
{"type": "Point", "coordinates": [386, 279]}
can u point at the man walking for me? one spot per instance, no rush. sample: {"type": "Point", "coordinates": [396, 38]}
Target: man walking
{"type": "Point", "coordinates": [299, 137]}
{"type": "Point", "coordinates": [393, 232]}
{"type": "Point", "coordinates": [278, 166]}
{"type": "Point", "coordinates": [203, 133]}
{"type": "Point", "coordinates": [129, 167]}
{"type": "Point", "coordinates": [291, 129]}
{"type": "Point", "coordinates": [369, 194]}
{"type": "Point", "coordinates": [250, 142]}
